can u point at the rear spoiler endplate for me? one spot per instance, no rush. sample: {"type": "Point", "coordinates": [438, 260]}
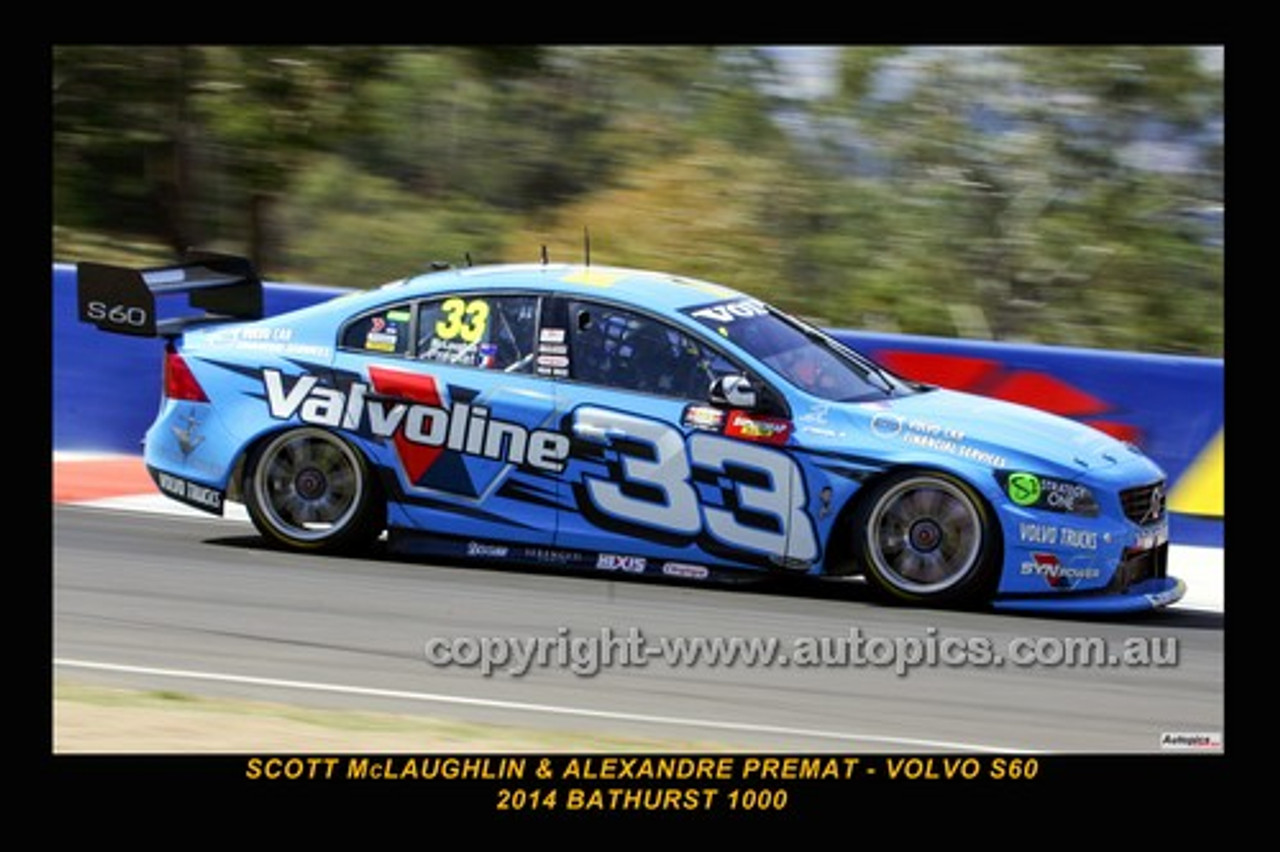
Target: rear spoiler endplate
{"type": "Point", "coordinates": [122, 299]}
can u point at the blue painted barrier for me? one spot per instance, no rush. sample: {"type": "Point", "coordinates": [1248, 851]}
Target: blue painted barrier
{"type": "Point", "coordinates": [106, 389]}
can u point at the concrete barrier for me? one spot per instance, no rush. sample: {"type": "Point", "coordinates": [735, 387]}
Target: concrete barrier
{"type": "Point", "coordinates": [106, 389]}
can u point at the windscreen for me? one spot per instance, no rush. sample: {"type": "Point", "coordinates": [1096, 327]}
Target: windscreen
{"type": "Point", "coordinates": [801, 354]}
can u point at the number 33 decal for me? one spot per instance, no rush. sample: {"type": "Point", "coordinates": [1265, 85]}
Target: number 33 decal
{"type": "Point", "coordinates": [466, 320]}
{"type": "Point", "coordinates": [653, 486]}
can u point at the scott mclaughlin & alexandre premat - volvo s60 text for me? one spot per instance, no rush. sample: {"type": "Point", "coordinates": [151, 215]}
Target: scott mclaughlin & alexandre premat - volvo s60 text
{"type": "Point", "coordinates": [627, 421]}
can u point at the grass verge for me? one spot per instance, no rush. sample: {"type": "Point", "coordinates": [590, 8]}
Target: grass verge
{"type": "Point", "coordinates": [91, 719]}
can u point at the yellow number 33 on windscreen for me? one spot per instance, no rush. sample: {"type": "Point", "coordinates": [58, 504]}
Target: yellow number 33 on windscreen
{"type": "Point", "coordinates": [463, 319]}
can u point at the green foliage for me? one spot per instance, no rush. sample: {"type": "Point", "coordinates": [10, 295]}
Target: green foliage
{"type": "Point", "coordinates": [353, 229]}
{"type": "Point", "coordinates": [700, 214]}
{"type": "Point", "coordinates": [119, 117]}
{"type": "Point", "coordinates": [1007, 193]}
{"type": "Point", "coordinates": [1012, 200]}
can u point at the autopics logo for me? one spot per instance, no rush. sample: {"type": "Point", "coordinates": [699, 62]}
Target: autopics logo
{"type": "Point", "coordinates": [1033, 491]}
{"type": "Point", "coordinates": [1191, 741]}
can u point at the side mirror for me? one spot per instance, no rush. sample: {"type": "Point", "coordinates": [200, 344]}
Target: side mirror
{"type": "Point", "coordinates": [733, 392]}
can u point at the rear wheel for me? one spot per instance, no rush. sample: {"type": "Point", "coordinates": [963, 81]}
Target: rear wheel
{"type": "Point", "coordinates": [926, 537]}
{"type": "Point", "coordinates": [310, 490]}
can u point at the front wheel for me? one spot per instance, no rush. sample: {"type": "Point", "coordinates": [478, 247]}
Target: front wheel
{"type": "Point", "coordinates": [310, 490]}
{"type": "Point", "coordinates": [925, 537]}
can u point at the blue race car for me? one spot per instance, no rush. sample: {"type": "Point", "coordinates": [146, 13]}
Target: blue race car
{"type": "Point", "coordinates": [626, 421]}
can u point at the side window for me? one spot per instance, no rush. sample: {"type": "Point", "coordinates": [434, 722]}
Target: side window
{"type": "Point", "coordinates": [631, 351]}
{"type": "Point", "coordinates": [386, 331]}
{"type": "Point", "coordinates": [489, 332]}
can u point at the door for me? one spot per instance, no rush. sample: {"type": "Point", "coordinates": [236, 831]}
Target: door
{"type": "Point", "coordinates": [657, 472]}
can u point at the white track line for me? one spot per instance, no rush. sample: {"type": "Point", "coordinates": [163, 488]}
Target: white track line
{"type": "Point", "coordinates": [550, 709]}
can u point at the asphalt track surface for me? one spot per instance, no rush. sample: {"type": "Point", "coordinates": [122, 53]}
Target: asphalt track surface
{"type": "Point", "coordinates": [201, 605]}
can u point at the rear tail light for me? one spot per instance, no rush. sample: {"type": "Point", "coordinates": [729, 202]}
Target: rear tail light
{"type": "Point", "coordinates": [179, 381]}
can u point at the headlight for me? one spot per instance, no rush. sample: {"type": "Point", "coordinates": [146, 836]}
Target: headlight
{"type": "Point", "coordinates": [1048, 493]}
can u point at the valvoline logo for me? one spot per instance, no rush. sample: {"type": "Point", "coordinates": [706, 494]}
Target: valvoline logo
{"type": "Point", "coordinates": [410, 409]}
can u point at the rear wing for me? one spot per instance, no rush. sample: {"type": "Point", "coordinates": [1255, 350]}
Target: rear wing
{"type": "Point", "coordinates": [122, 300]}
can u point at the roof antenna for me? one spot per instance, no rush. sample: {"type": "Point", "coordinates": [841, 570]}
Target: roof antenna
{"type": "Point", "coordinates": [586, 243]}
{"type": "Point", "coordinates": [544, 255]}
{"type": "Point", "coordinates": [468, 257]}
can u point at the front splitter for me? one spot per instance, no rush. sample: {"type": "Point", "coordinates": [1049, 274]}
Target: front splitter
{"type": "Point", "coordinates": [1156, 593]}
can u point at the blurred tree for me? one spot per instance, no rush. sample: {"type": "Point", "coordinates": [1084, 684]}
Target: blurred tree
{"type": "Point", "coordinates": [1013, 184]}
{"type": "Point", "coordinates": [267, 109]}
{"type": "Point", "coordinates": [350, 228]}
{"type": "Point", "coordinates": [515, 129]}
{"type": "Point", "coordinates": [122, 136]}
{"type": "Point", "coordinates": [1053, 194]}
{"type": "Point", "coordinates": [145, 138]}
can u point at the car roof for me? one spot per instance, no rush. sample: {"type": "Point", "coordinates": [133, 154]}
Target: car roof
{"type": "Point", "coordinates": [655, 290]}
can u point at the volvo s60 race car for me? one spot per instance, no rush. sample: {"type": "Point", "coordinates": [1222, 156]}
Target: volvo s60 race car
{"type": "Point", "coordinates": [627, 421]}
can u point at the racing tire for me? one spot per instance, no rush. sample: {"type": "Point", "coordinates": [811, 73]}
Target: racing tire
{"type": "Point", "coordinates": [310, 490]}
{"type": "Point", "coordinates": [925, 537]}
